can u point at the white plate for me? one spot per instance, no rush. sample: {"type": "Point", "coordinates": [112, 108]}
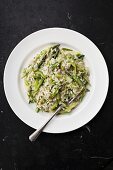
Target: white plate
{"type": "Point", "coordinates": [20, 57]}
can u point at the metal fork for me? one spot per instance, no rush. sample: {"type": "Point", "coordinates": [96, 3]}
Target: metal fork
{"type": "Point", "coordinates": [37, 132]}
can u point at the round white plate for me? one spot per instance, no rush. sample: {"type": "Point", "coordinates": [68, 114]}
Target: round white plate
{"type": "Point", "coordinates": [26, 50]}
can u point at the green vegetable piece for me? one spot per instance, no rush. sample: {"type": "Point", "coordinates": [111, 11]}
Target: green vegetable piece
{"type": "Point", "coordinates": [55, 65]}
{"type": "Point", "coordinates": [40, 83]}
{"type": "Point", "coordinates": [39, 74]}
{"type": "Point", "coordinates": [37, 84]}
{"type": "Point", "coordinates": [26, 82]}
{"type": "Point", "coordinates": [37, 109]}
{"type": "Point", "coordinates": [58, 97]}
{"type": "Point", "coordinates": [52, 82]}
{"type": "Point", "coordinates": [58, 75]}
{"type": "Point", "coordinates": [42, 57]}
{"type": "Point", "coordinates": [66, 49]}
{"type": "Point", "coordinates": [80, 56]}
{"type": "Point", "coordinates": [54, 51]}
{"type": "Point", "coordinates": [30, 96]}
{"type": "Point", "coordinates": [78, 81]}
{"type": "Point", "coordinates": [42, 61]}
{"type": "Point", "coordinates": [56, 46]}
{"type": "Point", "coordinates": [54, 106]}
{"type": "Point", "coordinates": [68, 78]}
{"type": "Point", "coordinates": [31, 100]}
{"type": "Point", "coordinates": [55, 93]}
{"type": "Point", "coordinates": [73, 64]}
{"type": "Point", "coordinates": [71, 106]}
{"type": "Point", "coordinates": [62, 67]}
{"type": "Point", "coordinates": [86, 79]}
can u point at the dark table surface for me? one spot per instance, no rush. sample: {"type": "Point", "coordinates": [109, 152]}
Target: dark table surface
{"type": "Point", "coordinates": [88, 148]}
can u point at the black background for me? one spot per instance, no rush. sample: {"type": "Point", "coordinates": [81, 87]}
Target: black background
{"type": "Point", "coordinates": [88, 148]}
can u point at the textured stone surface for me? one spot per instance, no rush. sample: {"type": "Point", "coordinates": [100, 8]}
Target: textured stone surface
{"type": "Point", "coordinates": [88, 148]}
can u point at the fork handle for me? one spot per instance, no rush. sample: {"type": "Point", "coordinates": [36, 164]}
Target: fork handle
{"type": "Point", "coordinates": [37, 132]}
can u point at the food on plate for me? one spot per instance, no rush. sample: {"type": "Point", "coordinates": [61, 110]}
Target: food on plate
{"type": "Point", "coordinates": [54, 77]}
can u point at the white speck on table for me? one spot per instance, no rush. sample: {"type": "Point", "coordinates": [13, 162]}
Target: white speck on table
{"type": "Point", "coordinates": [88, 128]}
{"type": "Point", "coordinates": [5, 138]}
{"type": "Point", "coordinates": [69, 16]}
